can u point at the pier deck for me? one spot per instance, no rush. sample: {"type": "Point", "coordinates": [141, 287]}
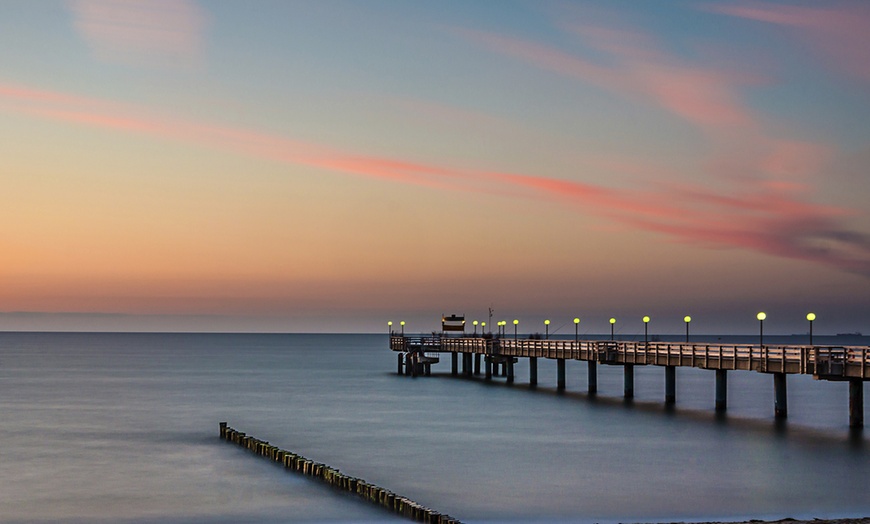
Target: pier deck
{"type": "Point", "coordinates": [833, 363]}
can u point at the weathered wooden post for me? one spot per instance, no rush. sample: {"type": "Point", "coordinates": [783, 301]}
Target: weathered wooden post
{"type": "Point", "coordinates": [477, 364]}
{"type": "Point", "coordinates": [509, 364]}
{"type": "Point", "coordinates": [670, 385]}
{"type": "Point", "coordinates": [401, 368]}
{"type": "Point", "coordinates": [454, 363]}
{"type": "Point", "coordinates": [560, 374]}
{"type": "Point", "coordinates": [592, 377]}
{"type": "Point", "coordinates": [856, 403]}
{"type": "Point", "coordinates": [780, 396]}
{"type": "Point", "coordinates": [466, 364]}
{"type": "Point", "coordinates": [409, 364]}
{"type": "Point", "coordinates": [721, 389]}
{"type": "Point", "coordinates": [533, 371]}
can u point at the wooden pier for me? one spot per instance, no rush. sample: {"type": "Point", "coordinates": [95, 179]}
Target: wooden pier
{"type": "Point", "coordinates": [416, 354]}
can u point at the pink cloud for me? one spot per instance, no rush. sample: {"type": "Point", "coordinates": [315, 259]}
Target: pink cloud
{"type": "Point", "coordinates": [702, 96]}
{"type": "Point", "coordinates": [133, 30]}
{"type": "Point", "coordinates": [838, 29]}
{"type": "Point", "coordinates": [758, 216]}
{"type": "Point", "coordinates": [114, 116]}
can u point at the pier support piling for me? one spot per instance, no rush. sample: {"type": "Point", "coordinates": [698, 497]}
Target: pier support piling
{"type": "Point", "coordinates": [487, 364]}
{"type": "Point", "coordinates": [533, 371]}
{"type": "Point", "coordinates": [780, 396]}
{"type": "Point", "coordinates": [454, 363]}
{"type": "Point", "coordinates": [477, 364]}
{"type": "Point", "coordinates": [418, 365]}
{"type": "Point", "coordinates": [592, 377]}
{"type": "Point", "coordinates": [856, 403]}
{"type": "Point", "coordinates": [466, 364]}
{"type": "Point", "coordinates": [670, 385]}
{"type": "Point", "coordinates": [628, 388]}
{"type": "Point", "coordinates": [408, 364]}
{"type": "Point", "coordinates": [721, 389]}
{"type": "Point", "coordinates": [560, 374]}
{"type": "Point", "coordinates": [509, 364]}
{"type": "Point", "coordinates": [401, 368]}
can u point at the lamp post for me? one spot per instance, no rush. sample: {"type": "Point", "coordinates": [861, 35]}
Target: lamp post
{"type": "Point", "coordinates": [483, 328]}
{"type": "Point", "coordinates": [576, 326]}
{"type": "Point", "coordinates": [612, 322]}
{"type": "Point", "coordinates": [516, 323]}
{"type": "Point", "coordinates": [547, 328]}
{"type": "Point", "coordinates": [646, 329]}
{"type": "Point", "coordinates": [390, 327]}
{"type": "Point", "coordinates": [475, 327]}
{"type": "Point", "coordinates": [402, 323]}
{"type": "Point", "coordinates": [761, 316]}
{"type": "Point", "coordinates": [687, 319]}
{"type": "Point", "coordinates": [811, 317]}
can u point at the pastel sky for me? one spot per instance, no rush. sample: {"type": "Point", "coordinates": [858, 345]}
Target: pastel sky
{"type": "Point", "coordinates": [311, 166]}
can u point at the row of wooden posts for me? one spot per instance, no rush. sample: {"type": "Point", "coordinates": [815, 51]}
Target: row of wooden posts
{"type": "Point", "coordinates": [397, 504]}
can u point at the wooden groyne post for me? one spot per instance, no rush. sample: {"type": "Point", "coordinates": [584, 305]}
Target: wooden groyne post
{"type": "Point", "coordinates": [377, 495]}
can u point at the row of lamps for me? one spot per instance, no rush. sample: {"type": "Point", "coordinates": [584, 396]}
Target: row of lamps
{"type": "Point", "coordinates": [761, 316]}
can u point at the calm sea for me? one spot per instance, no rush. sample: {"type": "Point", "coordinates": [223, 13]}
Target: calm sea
{"type": "Point", "coordinates": [123, 428]}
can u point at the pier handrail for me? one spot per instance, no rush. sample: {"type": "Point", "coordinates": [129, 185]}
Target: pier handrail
{"type": "Point", "coordinates": [770, 358]}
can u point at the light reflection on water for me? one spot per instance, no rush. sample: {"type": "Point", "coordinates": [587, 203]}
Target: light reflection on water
{"type": "Point", "coordinates": [124, 427]}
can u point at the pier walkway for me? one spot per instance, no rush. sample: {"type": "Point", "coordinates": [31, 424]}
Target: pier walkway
{"type": "Point", "coordinates": [416, 354]}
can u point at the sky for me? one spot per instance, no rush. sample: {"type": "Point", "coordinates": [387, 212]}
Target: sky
{"type": "Point", "coordinates": [308, 166]}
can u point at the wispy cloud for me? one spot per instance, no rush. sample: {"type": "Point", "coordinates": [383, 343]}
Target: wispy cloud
{"type": "Point", "coordinates": [756, 216]}
{"type": "Point", "coordinates": [165, 31]}
{"type": "Point", "coordinates": [702, 96]}
{"type": "Point", "coordinates": [122, 117]}
{"type": "Point", "coordinates": [762, 220]}
{"type": "Point", "coordinates": [838, 29]}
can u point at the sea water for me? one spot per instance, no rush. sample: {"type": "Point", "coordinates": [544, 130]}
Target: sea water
{"type": "Point", "coordinates": [124, 428]}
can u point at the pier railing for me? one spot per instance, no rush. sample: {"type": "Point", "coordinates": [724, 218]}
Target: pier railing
{"type": "Point", "coordinates": [825, 362]}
